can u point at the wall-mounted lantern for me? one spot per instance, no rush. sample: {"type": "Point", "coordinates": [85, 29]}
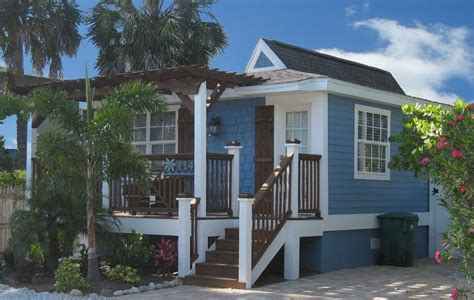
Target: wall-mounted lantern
{"type": "Point", "coordinates": [214, 124]}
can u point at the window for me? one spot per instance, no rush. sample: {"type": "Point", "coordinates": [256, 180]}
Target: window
{"type": "Point", "coordinates": [263, 61]}
{"type": "Point", "coordinates": [297, 127]}
{"type": "Point", "coordinates": [155, 135]}
{"type": "Point", "coordinates": [372, 149]}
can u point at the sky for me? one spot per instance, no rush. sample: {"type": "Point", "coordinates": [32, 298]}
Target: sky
{"type": "Point", "coordinates": [428, 45]}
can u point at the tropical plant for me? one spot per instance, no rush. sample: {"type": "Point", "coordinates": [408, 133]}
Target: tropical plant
{"type": "Point", "coordinates": [154, 36]}
{"type": "Point", "coordinates": [124, 273]}
{"type": "Point", "coordinates": [68, 276]}
{"type": "Point", "coordinates": [6, 162]}
{"type": "Point", "coordinates": [131, 250]}
{"type": "Point", "coordinates": [165, 256]}
{"type": "Point", "coordinates": [46, 30]}
{"type": "Point", "coordinates": [438, 144]}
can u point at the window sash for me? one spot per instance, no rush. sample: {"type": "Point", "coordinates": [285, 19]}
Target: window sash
{"type": "Point", "coordinates": [148, 142]}
{"type": "Point", "coordinates": [371, 154]}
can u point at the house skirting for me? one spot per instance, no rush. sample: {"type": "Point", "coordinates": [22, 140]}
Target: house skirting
{"type": "Point", "coordinates": [336, 250]}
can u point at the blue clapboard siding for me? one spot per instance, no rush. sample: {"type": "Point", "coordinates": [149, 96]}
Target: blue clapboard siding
{"type": "Point", "coordinates": [237, 123]}
{"type": "Point", "coordinates": [337, 250]}
{"type": "Point", "coordinates": [404, 192]}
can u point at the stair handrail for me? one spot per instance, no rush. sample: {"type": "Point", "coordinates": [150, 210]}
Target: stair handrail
{"type": "Point", "coordinates": [194, 230]}
{"type": "Point", "coordinates": [268, 217]}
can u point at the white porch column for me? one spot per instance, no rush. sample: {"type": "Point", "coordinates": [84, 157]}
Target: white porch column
{"type": "Point", "coordinates": [292, 256]}
{"type": "Point", "coordinates": [200, 147]}
{"type": "Point", "coordinates": [245, 239]}
{"type": "Point", "coordinates": [293, 147]}
{"type": "Point", "coordinates": [233, 147]}
{"type": "Point", "coordinates": [184, 234]}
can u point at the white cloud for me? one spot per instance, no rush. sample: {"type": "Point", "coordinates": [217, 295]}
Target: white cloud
{"type": "Point", "coordinates": [351, 10]}
{"type": "Point", "coordinates": [11, 143]}
{"type": "Point", "coordinates": [421, 58]}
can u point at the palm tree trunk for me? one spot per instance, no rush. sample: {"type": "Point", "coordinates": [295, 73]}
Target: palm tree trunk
{"type": "Point", "coordinates": [21, 125]}
{"type": "Point", "coordinates": [92, 264]}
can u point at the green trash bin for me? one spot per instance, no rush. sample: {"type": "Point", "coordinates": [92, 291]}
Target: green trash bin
{"type": "Point", "coordinates": [398, 238]}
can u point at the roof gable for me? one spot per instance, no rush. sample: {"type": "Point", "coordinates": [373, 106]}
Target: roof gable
{"type": "Point", "coordinates": [263, 59]}
{"type": "Point", "coordinates": [309, 61]}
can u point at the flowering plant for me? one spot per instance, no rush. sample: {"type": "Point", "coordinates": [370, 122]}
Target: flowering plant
{"type": "Point", "coordinates": [438, 144]}
{"type": "Point", "coordinates": [165, 255]}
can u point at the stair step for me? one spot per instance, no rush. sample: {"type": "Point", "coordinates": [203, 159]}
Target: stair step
{"type": "Point", "coordinates": [210, 281]}
{"type": "Point", "coordinates": [232, 233]}
{"type": "Point", "coordinates": [217, 270]}
{"type": "Point", "coordinates": [227, 245]}
{"type": "Point", "coordinates": [223, 257]}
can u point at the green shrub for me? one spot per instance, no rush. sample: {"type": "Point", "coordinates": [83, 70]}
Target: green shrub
{"type": "Point", "coordinates": [15, 178]}
{"type": "Point", "coordinates": [124, 273]}
{"type": "Point", "coordinates": [132, 251]}
{"type": "Point", "coordinates": [68, 276]}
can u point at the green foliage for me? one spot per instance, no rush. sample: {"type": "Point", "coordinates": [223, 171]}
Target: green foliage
{"type": "Point", "coordinates": [131, 250]}
{"type": "Point", "coordinates": [6, 162]}
{"type": "Point", "coordinates": [438, 144]}
{"type": "Point", "coordinates": [154, 36]}
{"type": "Point", "coordinates": [68, 276]}
{"type": "Point", "coordinates": [48, 31]}
{"type": "Point", "coordinates": [124, 273]}
{"type": "Point", "coordinates": [13, 178]}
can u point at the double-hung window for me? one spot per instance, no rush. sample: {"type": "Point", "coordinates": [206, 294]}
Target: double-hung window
{"type": "Point", "coordinates": [153, 134]}
{"type": "Point", "coordinates": [372, 148]}
{"type": "Point", "coordinates": [297, 126]}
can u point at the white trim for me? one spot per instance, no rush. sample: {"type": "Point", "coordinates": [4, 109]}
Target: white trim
{"type": "Point", "coordinates": [331, 86]}
{"type": "Point", "coordinates": [259, 48]}
{"type": "Point", "coordinates": [371, 175]}
{"type": "Point", "coordinates": [343, 222]}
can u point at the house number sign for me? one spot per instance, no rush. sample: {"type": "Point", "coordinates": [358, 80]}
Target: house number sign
{"type": "Point", "coordinates": [172, 167]}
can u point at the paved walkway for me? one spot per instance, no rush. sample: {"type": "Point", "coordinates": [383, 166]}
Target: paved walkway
{"type": "Point", "coordinates": [426, 281]}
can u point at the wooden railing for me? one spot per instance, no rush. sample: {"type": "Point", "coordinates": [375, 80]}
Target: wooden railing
{"type": "Point", "coordinates": [219, 179]}
{"type": "Point", "coordinates": [194, 231]}
{"type": "Point", "coordinates": [173, 174]}
{"type": "Point", "coordinates": [272, 208]}
{"type": "Point", "coordinates": [308, 186]}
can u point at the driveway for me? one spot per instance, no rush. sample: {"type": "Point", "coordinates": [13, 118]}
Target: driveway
{"type": "Point", "coordinates": [425, 280]}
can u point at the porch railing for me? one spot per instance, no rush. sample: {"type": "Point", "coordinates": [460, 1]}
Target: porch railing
{"type": "Point", "coordinates": [272, 208]}
{"type": "Point", "coordinates": [308, 186]}
{"type": "Point", "coordinates": [173, 174]}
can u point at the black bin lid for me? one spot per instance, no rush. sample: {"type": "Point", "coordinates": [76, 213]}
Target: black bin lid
{"type": "Point", "coordinates": [399, 215]}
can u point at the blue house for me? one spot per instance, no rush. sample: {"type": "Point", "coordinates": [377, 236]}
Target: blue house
{"type": "Point", "coordinates": [290, 156]}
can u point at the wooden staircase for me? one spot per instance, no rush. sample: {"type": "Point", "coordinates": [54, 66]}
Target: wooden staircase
{"type": "Point", "coordinates": [221, 268]}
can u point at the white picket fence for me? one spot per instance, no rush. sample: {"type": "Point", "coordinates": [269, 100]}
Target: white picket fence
{"type": "Point", "coordinates": [11, 199]}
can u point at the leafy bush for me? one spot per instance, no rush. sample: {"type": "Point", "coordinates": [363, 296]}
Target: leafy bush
{"type": "Point", "coordinates": [15, 178]}
{"type": "Point", "coordinates": [124, 273]}
{"type": "Point", "coordinates": [68, 276]}
{"type": "Point", "coordinates": [165, 256]}
{"type": "Point", "coordinates": [439, 144]}
{"type": "Point", "coordinates": [131, 251]}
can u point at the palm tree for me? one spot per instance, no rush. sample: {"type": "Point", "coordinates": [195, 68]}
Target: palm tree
{"type": "Point", "coordinates": [45, 30]}
{"type": "Point", "coordinates": [101, 138]}
{"type": "Point", "coordinates": [154, 36]}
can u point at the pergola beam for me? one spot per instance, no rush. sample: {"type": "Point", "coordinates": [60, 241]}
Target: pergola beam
{"type": "Point", "coordinates": [215, 95]}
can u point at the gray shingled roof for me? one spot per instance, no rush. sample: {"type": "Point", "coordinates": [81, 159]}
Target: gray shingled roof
{"type": "Point", "coordinates": [309, 61]}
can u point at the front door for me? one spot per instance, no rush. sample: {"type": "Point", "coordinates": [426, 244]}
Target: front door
{"type": "Point", "coordinates": [441, 217]}
{"type": "Point", "coordinates": [263, 144]}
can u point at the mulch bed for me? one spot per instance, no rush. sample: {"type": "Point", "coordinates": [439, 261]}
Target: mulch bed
{"type": "Point", "coordinates": [44, 282]}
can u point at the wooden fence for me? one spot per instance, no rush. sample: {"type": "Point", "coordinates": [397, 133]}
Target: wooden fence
{"type": "Point", "coordinates": [11, 199]}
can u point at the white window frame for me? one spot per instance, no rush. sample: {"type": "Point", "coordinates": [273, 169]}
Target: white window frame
{"type": "Point", "coordinates": [371, 175]}
{"type": "Point", "coordinates": [296, 108]}
{"type": "Point", "coordinates": [148, 144]}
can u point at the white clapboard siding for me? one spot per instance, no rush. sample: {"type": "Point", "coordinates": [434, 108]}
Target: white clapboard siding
{"type": "Point", "coordinates": [11, 199]}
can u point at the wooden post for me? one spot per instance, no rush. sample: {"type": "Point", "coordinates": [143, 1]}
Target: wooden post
{"type": "Point", "coordinates": [245, 239]}
{"type": "Point", "coordinates": [234, 148]}
{"type": "Point", "coordinates": [293, 147]}
{"type": "Point", "coordinates": [184, 234]}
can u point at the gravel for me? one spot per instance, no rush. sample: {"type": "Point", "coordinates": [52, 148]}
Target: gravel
{"type": "Point", "coordinates": [7, 292]}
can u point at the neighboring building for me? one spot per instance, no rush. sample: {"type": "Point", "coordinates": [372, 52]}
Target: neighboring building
{"type": "Point", "coordinates": [343, 113]}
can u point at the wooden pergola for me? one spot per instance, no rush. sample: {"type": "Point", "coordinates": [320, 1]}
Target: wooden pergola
{"type": "Point", "coordinates": [189, 83]}
{"type": "Point", "coordinates": [183, 81]}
